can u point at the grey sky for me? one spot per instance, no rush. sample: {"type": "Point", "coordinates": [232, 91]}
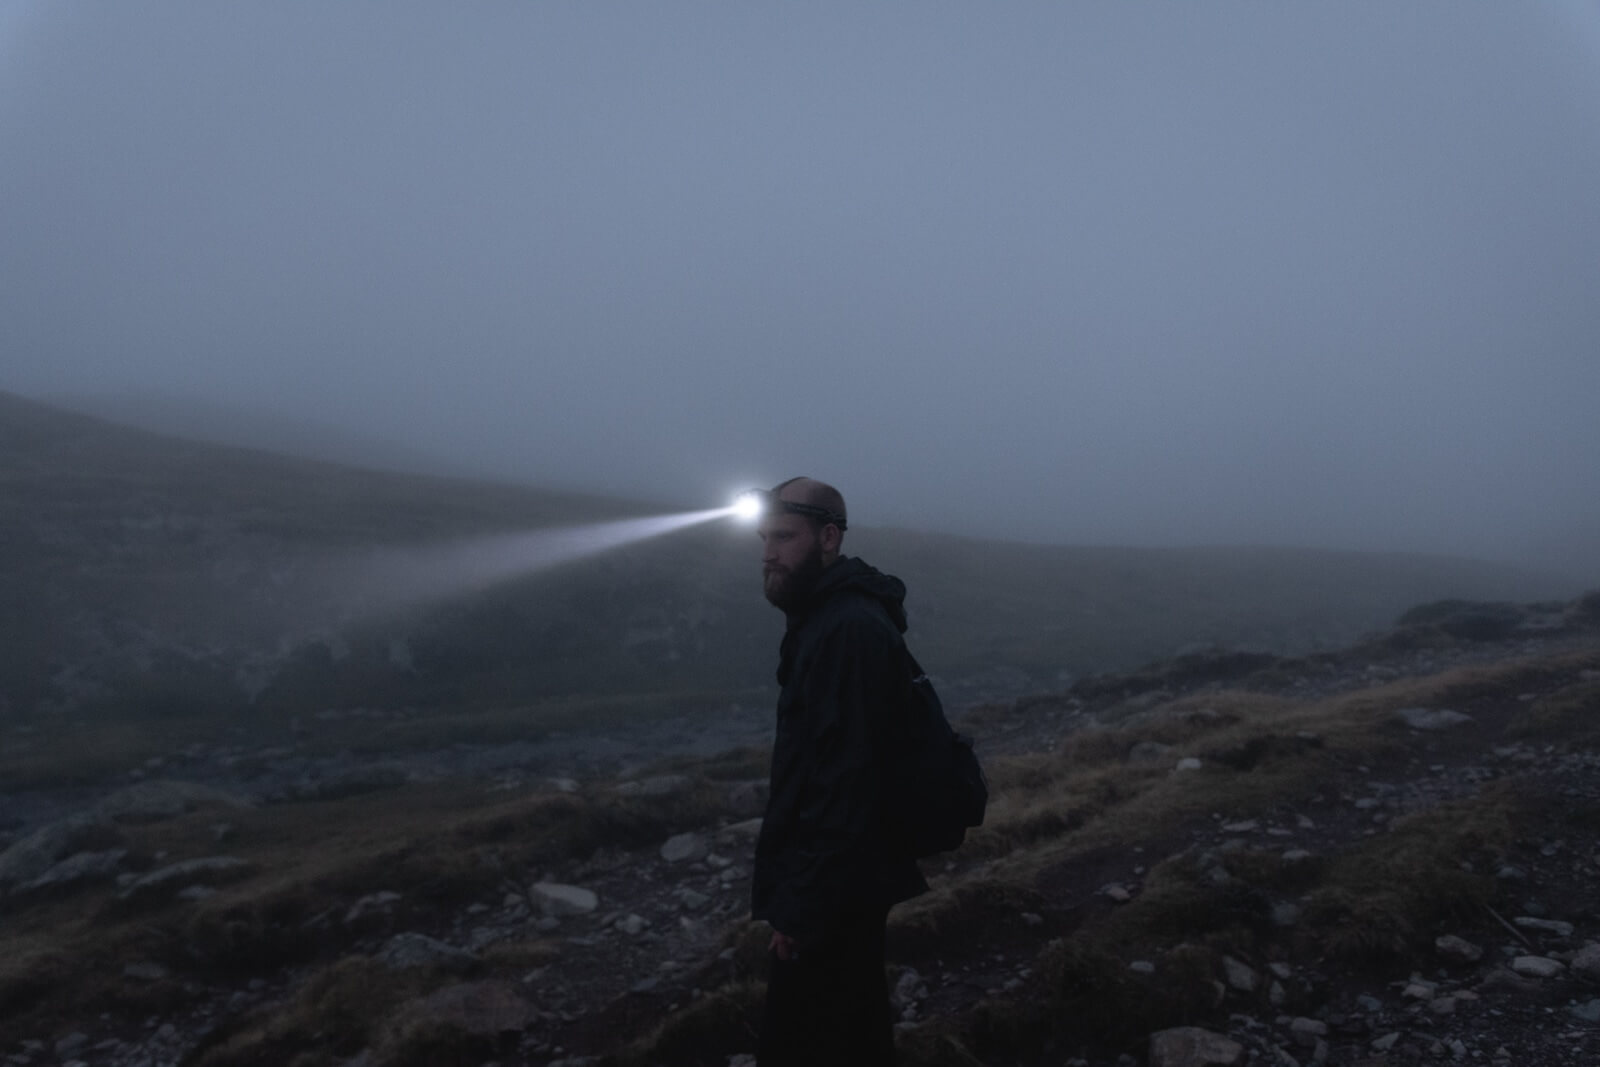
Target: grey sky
{"type": "Point", "coordinates": [1319, 274]}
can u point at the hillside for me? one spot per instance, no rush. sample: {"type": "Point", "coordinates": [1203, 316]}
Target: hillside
{"type": "Point", "coordinates": [1378, 855]}
{"type": "Point", "coordinates": [150, 576]}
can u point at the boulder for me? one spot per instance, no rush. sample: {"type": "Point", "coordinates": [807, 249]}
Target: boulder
{"type": "Point", "coordinates": [1587, 961]}
{"type": "Point", "coordinates": [1537, 966]}
{"type": "Point", "coordinates": [555, 899]}
{"type": "Point", "coordinates": [684, 848]}
{"type": "Point", "coordinates": [1457, 949]}
{"type": "Point", "coordinates": [1192, 1046]}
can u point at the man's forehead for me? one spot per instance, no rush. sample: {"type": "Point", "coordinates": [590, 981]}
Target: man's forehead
{"type": "Point", "coordinates": [787, 521]}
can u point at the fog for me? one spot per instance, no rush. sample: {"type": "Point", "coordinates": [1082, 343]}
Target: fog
{"type": "Point", "coordinates": [1115, 273]}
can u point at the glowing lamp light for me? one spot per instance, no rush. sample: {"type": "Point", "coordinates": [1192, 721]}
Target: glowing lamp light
{"type": "Point", "coordinates": [748, 507]}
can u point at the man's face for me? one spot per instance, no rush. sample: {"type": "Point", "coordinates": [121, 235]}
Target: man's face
{"type": "Point", "coordinates": [791, 558]}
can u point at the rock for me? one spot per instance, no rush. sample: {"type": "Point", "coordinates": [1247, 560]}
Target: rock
{"type": "Point", "coordinates": [1457, 949]}
{"type": "Point", "coordinates": [1588, 1012]}
{"type": "Point", "coordinates": [1431, 719]}
{"type": "Point", "coordinates": [1191, 1046]}
{"type": "Point", "coordinates": [690, 899]}
{"type": "Point", "coordinates": [1296, 855]}
{"type": "Point", "coordinates": [661, 785]}
{"type": "Point", "coordinates": [1537, 966]}
{"type": "Point", "coordinates": [684, 848]}
{"type": "Point", "coordinates": [1142, 967]}
{"type": "Point", "coordinates": [144, 971]}
{"type": "Point", "coordinates": [1587, 961]}
{"type": "Point", "coordinates": [404, 951]}
{"type": "Point", "coordinates": [1549, 926]}
{"type": "Point", "coordinates": [1241, 976]}
{"type": "Point", "coordinates": [1501, 980]}
{"type": "Point", "coordinates": [1187, 763]}
{"type": "Point", "coordinates": [562, 785]}
{"type": "Point", "coordinates": [168, 880]}
{"type": "Point", "coordinates": [632, 925]}
{"type": "Point", "coordinates": [41, 850]}
{"type": "Point", "coordinates": [81, 867]}
{"type": "Point", "coordinates": [1116, 891]}
{"type": "Point", "coordinates": [1307, 1032]}
{"type": "Point", "coordinates": [556, 899]}
{"type": "Point", "coordinates": [909, 988]}
{"type": "Point", "coordinates": [1386, 1042]}
{"type": "Point", "coordinates": [1285, 913]}
{"type": "Point", "coordinates": [1032, 919]}
{"type": "Point", "coordinates": [161, 799]}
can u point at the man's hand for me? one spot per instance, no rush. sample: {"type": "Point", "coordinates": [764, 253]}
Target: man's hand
{"type": "Point", "coordinates": [783, 946]}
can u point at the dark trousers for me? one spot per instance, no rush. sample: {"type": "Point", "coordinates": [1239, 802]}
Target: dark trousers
{"type": "Point", "coordinates": [830, 1005]}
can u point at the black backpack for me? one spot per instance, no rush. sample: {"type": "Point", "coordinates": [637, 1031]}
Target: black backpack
{"type": "Point", "coordinates": [936, 787]}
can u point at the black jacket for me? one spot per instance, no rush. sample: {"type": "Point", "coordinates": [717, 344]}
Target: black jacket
{"type": "Point", "coordinates": [822, 853]}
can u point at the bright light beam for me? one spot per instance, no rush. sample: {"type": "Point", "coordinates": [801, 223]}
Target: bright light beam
{"type": "Point", "coordinates": [393, 578]}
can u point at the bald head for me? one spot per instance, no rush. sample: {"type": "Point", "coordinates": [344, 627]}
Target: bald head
{"type": "Point", "coordinates": [814, 494]}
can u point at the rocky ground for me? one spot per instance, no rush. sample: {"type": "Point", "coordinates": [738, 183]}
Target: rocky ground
{"type": "Point", "coordinates": [564, 964]}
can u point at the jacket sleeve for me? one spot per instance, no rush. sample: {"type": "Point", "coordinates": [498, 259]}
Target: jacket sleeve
{"type": "Point", "coordinates": [837, 862]}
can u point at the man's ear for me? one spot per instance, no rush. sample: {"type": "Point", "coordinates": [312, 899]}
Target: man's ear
{"type": "Point", "coordinates": [830, 538]}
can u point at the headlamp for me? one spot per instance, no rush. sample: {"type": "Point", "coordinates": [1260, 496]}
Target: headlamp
{"type": "Point", "coordinates": [754, 503]}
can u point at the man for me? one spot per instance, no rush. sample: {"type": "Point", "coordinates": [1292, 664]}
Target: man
{"type": "Point", "coordinates": [825, 872]}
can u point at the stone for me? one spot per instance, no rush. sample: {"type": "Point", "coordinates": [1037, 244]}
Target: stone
{"type": "Point", "coordinates": [1187, 763]}
{"type": "Point", "coordinates": [1192, 1046]}
{"type": "Point", "coordinates": [1587, 961]}
{"type": "Point", "coordinates": [408, 950]}
{"type": "Point", "coordinates": [562, 785]}
{"type": "Point", "coordinates": [1588, 1012]}
{"type": "Point", "coordinates": [1116, 891]}
{"type": "Point", "coordinates": [556, 899]}
{"type": "Point", "coordinates": [1457, 949]}
{"type": "Point", "coordinates": [1537, 966]}
{"type": "Point", "coordinates": [168, 880]}
{"type": "Point", "coordinates": [1306, 1032]}
{"type": "Point", "coordinates": [35, 854]}
{"type": "Point", "coordinates": [909, 988]}
{"type": "Point", "coordinates": [1431, 719]}
{"type": "Point", "coordinates": [1142, 967]}
{"type": "Point", "coordinates": [1549, 926]}
{"type": "Point", "coordinates": [684, 848]}
{"type": "Point", "coordinates": [1285, 913]}
{"type": "Point", "coordinates": [632, 925]}
{"type": "Point", "coordinates": [1386, 1042]}
{"type": "Point", "coordinates": [144, 971]}
{"type": "Point", "coordinates": [690, 899]}
{"type": "Point", "coordinates": [1241, 976]}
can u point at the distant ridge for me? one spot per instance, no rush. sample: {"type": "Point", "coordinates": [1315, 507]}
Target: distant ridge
{"type": "Point", "coordinates": [131, 558]}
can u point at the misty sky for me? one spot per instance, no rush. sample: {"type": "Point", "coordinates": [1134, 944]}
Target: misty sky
{"type": "Point", "coordinates": [1321, 274]}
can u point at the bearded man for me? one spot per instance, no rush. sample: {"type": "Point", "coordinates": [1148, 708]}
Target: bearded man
{"type": "Point", "coordinates": [826, 873]}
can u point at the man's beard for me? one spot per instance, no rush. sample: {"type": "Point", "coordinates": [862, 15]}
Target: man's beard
{"type": "Point", "coordinates": [788, 589]}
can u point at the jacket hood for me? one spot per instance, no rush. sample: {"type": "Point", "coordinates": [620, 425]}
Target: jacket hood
{"type": "Point", "coordinates": [850, 574]}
